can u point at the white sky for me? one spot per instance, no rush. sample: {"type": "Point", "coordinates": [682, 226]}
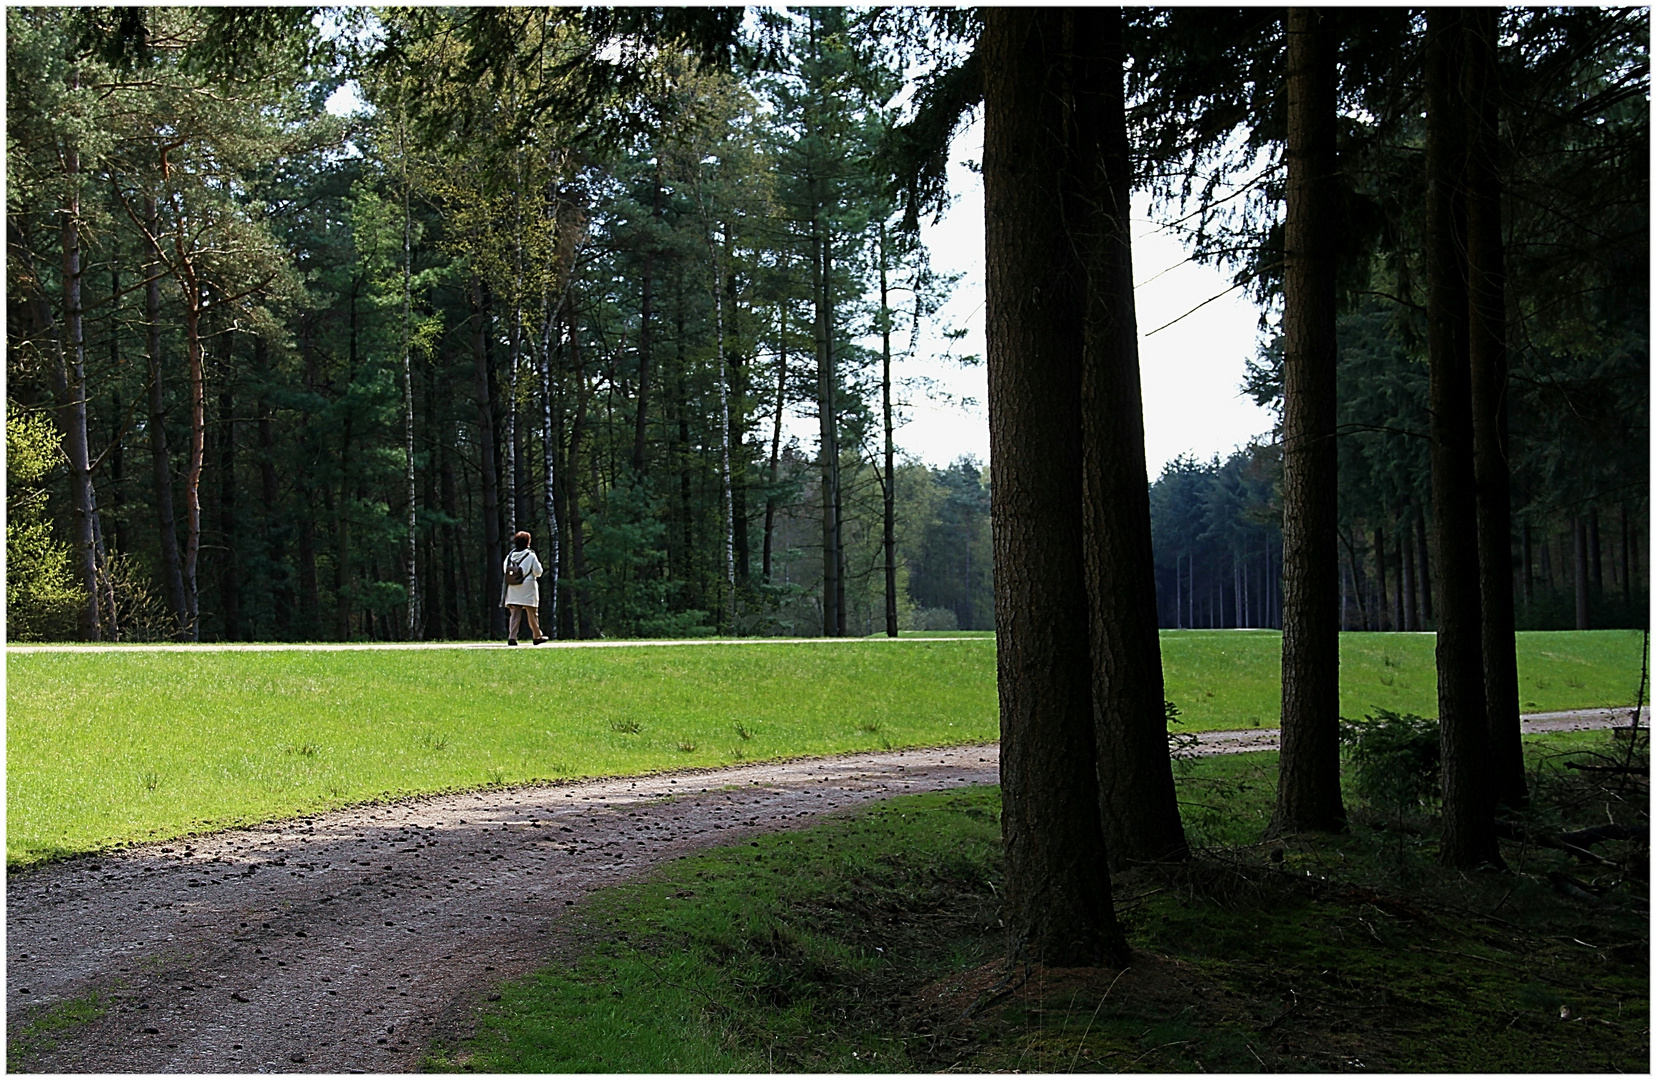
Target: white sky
{"type": "Point", "coordinates": [1192, 371]}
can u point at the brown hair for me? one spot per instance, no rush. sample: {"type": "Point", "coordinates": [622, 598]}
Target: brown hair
{"type": "Point", "coordinates": [520, 541]}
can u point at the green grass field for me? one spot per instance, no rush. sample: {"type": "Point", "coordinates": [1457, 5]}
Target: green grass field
{"type": "Point", "coordinates": [1232, 678]}
{"type": "Point", "coordinates": [118, 746]}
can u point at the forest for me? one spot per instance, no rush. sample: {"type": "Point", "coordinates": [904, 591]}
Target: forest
{"type": "Point", "coordinates": [276, 373]}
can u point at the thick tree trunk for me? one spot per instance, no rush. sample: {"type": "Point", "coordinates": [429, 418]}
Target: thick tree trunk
{"type": "Point", "coordinates": [1468, 794]}
{"type": "Point", "coordinates": [1486, 350]}
{"type": "Point", "coordinates": [493, 553]}
{"type": "Point", "coordinates": [889, 481]}
{"type": "Point", "coordinates": [171, 572]}
{"type": "Point", "coordinates": [1140, 814]}
{"type": "Point", "coordinates": [1308, 788]}
{"type": "Point", "coordinates": [1058, 902]}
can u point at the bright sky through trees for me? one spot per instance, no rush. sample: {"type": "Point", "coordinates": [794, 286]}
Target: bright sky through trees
{"type": "Point", "coordinates": [1192, 370]}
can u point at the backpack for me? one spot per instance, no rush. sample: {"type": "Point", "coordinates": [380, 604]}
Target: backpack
{"type": "Point", "coordinates": [514, 570]}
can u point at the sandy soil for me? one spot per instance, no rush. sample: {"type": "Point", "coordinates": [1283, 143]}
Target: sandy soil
{"type": "Point", "coordinates": [343, 942]}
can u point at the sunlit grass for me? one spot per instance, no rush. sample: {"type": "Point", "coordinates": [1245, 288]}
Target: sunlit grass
{"type": "Point", "coordinates": [119, 746]}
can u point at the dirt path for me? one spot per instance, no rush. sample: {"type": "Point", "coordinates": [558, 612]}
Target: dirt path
{"type": "Point", "coordinates": [344, 941]}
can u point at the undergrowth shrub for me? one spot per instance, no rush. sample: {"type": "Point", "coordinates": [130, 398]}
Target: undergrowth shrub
{"type": "Point", "coordinates": [1395, 758]}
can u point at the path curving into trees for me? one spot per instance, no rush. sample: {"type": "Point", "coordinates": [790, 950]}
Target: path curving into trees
{"type": "Point", "coordinates": [346, 941]}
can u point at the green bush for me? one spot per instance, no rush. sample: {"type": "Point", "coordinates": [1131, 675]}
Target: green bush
{"type": "Point", "coordinates": [1395, 758]}
{"type": "Point", "coordinates": [41, 594]}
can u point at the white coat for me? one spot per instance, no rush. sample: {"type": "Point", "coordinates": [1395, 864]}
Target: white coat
{"type": "Point", "coordinates": [528, 593]}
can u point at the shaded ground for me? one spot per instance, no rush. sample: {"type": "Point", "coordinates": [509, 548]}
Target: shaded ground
{"type": "Point", "coordinates": [347, 941]}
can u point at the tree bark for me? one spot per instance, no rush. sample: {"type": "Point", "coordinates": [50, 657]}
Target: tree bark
{"type": "Point", "coordinates": [828, 442]}
{"type": "Point", "coordinates": [415, 625]}
{"type": "Point", "coordinates": [580, 585]}
{"type": "Point", "coordinates": [191, 287]}
{"type": "Point", "coordinates": [776, 437]}
{"type": "Point", "coordinates": [736, 415]}
{"type": "Point", "coordinates": [1058, 901]}
{"type": "Point", "coordinates": [1486, 349]}
{"type": "Point", "coordinates": [1140, 813]}
{"type": "Point", "coordinates": [493, 582]}
{"type": "Point", "coordinates": [889, 485]}
{"type": "Point", "coordinates": [1308, 787]}
{"type": "Point", "coordinates": [171, 573]}
{"type": "Point", "coordinates": [69, 387]}
{"type": "Point", "coordinates": [1468, 794]}
{"type": "Point", "coordinates": [722, 376]}
{"type": "Point", "coordinates": [644, 332]}
{"type": "Point", "coordinates": [230, 573]}
{"type": "Point", "coordinates": [1578, 548]}
{"type": "Point", "coordinates": [1381, 622]}
{"type": "Point", "coordinates": [1423, 579]}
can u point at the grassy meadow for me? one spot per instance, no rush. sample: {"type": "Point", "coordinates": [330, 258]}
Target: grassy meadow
{"type": "Point", "coordinates": [119, 745]}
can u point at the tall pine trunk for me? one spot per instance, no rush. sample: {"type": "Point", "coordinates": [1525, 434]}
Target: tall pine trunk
{"type": "Point", "coordinates": [415, 625]}
{"type": "Point", "coordinates": [1058, 903]}
{"type": "Point", "coordinates": [230, 571]}
{"type": "Point", "coordinates": [191, 287]}
{"type": "Point", "coordinates": [1486, 348]}
{"type": "Point", "coordinates": [171, 572]}
{"type": "Point", "coordinates": [645, 341]}
{"type": "Point", "coordinates": [888, 519]}
{"type": "Point", "coordinates": [828, 443]}
{"type": "Point", "coordinates": [776, 436]}
{"type": "Point", "coordinates": [1308, 787]}
{"type": "Point", "coordinates": [1463, 721]}
{"type": "Point", "coordinates": [493, 581]}
{"type": "Point", "coordinates": [69, 387]}
{"type": "Point", "coordinates": [1135, 778]}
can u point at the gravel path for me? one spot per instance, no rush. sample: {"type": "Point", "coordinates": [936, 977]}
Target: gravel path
{"type": "Point", "coordinates": [343, 942]}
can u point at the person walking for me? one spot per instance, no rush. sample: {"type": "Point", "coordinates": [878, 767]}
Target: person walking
{"type": "Point", "coordinates": [521, 596]}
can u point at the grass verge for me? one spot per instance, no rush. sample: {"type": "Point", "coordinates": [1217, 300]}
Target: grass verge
{"type": "Point", "coordinates": [871, 944]}
{"type": "Point", "coordinates": [40, 1033]}
{"type": "Point", "coordinates": [118, 746]}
